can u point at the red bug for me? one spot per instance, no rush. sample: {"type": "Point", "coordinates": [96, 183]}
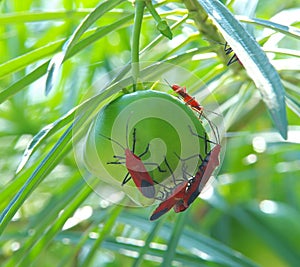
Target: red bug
{"type": "Point", "coordinates": [194, 104]}
{"type": "Point", "coordinates": [186, 192]}
{"type": "Point", "coordinates": [205, 170]}
{"type": "Point", "coordinates": [171, 201]}
{"type": "Point", "coordinates": [136, 168]}
{"type": "Point", "coordinates": [191, 101]}
{"type": "Point", "coordinates": [174, 197]}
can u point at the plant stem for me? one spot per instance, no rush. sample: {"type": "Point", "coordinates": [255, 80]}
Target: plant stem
{"type": "Point", "coordinates": [137, 24]}
{"type": "Point", "coordinates": [162, 25]}
{"type": "Point", "coordinates": [205, 25]}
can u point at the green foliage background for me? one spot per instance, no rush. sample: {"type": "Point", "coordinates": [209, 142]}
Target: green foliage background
{"type": "Point", "coordinates": [252, 218]}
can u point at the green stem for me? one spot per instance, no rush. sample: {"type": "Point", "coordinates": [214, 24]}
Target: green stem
{"type": "Point", "coordinates": [137, 24]}
{"type": "Point", "coordinates": [153, 11]}
{"type": "Point", "coordinates": [162, 25]}
{"type": "Point", "coordinates": [205, 26]}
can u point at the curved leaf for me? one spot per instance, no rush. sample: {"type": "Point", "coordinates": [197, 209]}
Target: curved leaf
{"type": "Point", "coordinates": [287, 30]}
{"type": "Point", "coordinates": [254, 60]}
{"type": "Point", "coordinates": [91, 18]}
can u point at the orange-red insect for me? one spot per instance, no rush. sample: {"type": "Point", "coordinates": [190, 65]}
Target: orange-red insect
{"type": "Point", "coordinates": [189, 100]}
{"type": "Point", "coordinates": [187, 191]}
{"type": "Point", "coordinates": [135, 166]}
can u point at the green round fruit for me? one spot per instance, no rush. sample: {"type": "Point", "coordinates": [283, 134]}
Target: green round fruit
{"type": "Point", "coordinates": [142, 119]}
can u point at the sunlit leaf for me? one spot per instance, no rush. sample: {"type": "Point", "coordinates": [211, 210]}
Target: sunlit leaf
{"type": "Point", "coordinates": [91, 18]}
{"type": "Point", "coordinates": [254, 60]}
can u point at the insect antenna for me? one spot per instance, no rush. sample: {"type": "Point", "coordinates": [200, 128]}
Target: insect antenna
{"type": "Point", "coordinates": [112, 140]}
{"type": "Point", "coordinates": [133, 134]}
{"type": "Point", "coordinates": [168, 83]}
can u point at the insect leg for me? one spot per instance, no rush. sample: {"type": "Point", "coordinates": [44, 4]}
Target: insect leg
{"type": "Point", "coordinates": [126, 178]}
{"type": "Point", "coordinates": [233, 59]}
{"type": "Point", "coordinates": [145, 152]}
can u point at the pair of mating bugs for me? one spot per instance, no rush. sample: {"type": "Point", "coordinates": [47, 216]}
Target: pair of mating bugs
{"type": "Point", "coordinates": [183, 193]}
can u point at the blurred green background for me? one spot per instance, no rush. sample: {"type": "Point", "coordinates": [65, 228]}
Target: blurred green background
{"type": "Point", "coordinates": [252, 215]}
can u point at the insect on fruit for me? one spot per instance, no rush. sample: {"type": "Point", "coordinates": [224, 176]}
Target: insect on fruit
{"type": "Point", "coordinates": [194, 104]}
{"type": "Point", "coordinates": [185, 193]}
{"type": "Point", "coordinates": [136, 168]}
{"type": "Point", "coordinates": [173, 199]}
{"type": "Point", "coordinates": [189, 100]}
{"type": "Point", "coordinates": [205, 170]}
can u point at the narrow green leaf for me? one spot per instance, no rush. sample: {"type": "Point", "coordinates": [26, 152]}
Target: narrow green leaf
{"type": "Point", "coordinates": [53, 71]}
{"type": "Point", "coordinates": [23, 82]}
{"type": "Point", "coordinates": [69, 191]}
{"type": "Point", "coordinates": [69, 209]}
{"type": "Point", "coordinates": [293, 104]}
{"type": "Point", "coordinates": [286, 30]}
{"type": "Point", "coordinates": [109, 224]}
{"type": "Point", "coordinates": [41, 70]}
{"type": "Point", "coordinates": [99, 33]}
{"type": "Point", "coordinates": [90, 19]}
{"type": "Point", "coordinates": [190, 241]}
{"type": "Point", "coordinates": [42, 134]}
{"type": "Point", "coordinates": [49, 162]}
{"type": "Point", "coordinates": [23, 61]}
{"type": "Point", "coordinates": [284, 51]}
{"type": "Point", "coordinates": [173, 242]}
{"type": "Point", "coordinates": [22, 17]}
{"type": "Point", "coordinates": [60, 149]}
{"type": "Point", "coordinates": [146, 246]}
{"type": "Point", "coordinates": [254, 60]}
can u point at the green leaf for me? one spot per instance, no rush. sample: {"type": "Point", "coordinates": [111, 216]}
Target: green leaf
{"type": "Point", "coordinates": [287, 30]}
{"type": "Point", "coordinates": [293, 104]}
{"type": "Point", "coordinates": [67, 199]}
{"type": "Point", "coordinates": [42, 69]}
{"type": "Point", "coordinates": [147, 247]}
{"type": "Point", "coordinates": [41, 136]}
{"type": "Point", "coordinates": [23, 61]}
{"type": "Point", "coordinates": [110, 223]}
{"type": "Point", "coordinates": [268, 226]}
{"type": "Point", "coordinates": [24, 16]}
{"type": "Point", "coordinates": [173, 242]}
{"type": "Point", "coordinates": [254, 60]}
{"type": "Point", "coordinates": [49, 162]}
{"type": "Point", "coordinates": [23, 82]}
{"type": "Point", "coordinates": [90, 19]}
{"type": "Point", "coordinates": [201, 247]}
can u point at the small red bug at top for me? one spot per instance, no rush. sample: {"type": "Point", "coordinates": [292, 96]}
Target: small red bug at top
{"type": "Point", "coordinates": [194, 104]}
{"type": "Point", "coordinates": [136, 168]}
{"type": "Point", "coordinates": [189, 100]}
